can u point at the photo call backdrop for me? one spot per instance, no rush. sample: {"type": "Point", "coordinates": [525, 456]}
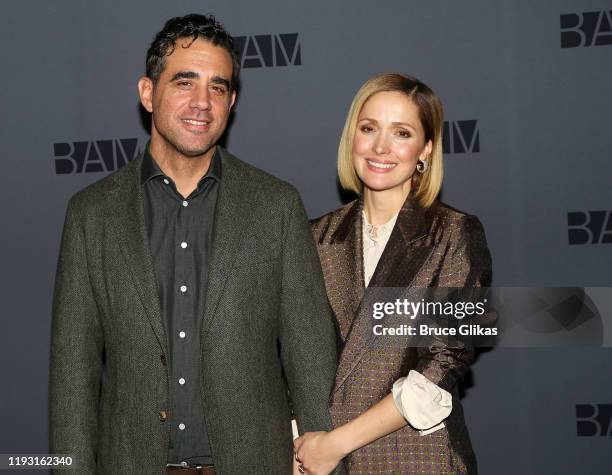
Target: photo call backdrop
{"type": "Point", "coordinates": [526, 88]}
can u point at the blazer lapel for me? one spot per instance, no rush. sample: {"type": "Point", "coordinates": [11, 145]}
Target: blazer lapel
{"type": "Point", "coordinates": [231, 216]}
{"type": "Point", "coordinates": [403, 256]}
{"type": "Point", "coordinates": [344, 270]}
{"type": "Point", "coordinates": [399, 264]}
{"type": "Point", "coordinates": [130, 229]}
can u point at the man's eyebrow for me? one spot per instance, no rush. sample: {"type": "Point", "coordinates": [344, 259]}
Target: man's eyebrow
{"type": "Point", "coordinates": [220, 80]}
{"type": "Point", "coordinates": [195, 75]}
{"type": "Point", "coordinates": [185, 75]}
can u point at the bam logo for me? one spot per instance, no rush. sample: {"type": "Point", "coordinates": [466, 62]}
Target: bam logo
{"type": "Point", "coordinates": [268, 51]}
{"type": "Point", "coordinates": [589, 227]}
{"type": "Point", "coordinates": [461, 136]}
{"type": "Point", "coordinates": [586, 29]}
{"type": "Point", "coordinates": [594, 420]}
{"type": "Point", "coordinates": [94, 156]}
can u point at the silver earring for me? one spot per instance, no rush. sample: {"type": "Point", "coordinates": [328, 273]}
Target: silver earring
{"type": "Point", "coordinates": [421, 166]}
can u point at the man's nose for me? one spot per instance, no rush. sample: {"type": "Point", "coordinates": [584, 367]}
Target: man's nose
{"type": "Point", "coordinates": [200, 99]}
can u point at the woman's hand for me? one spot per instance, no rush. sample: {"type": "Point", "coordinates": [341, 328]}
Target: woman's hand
{"type": "Point", "coordinates": [296, 469]}
{"type": "Point", "coordinates": [318, 453]}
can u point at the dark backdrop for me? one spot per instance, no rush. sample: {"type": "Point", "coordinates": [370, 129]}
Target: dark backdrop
{"type": "Point", "coordinates": [526, 90]}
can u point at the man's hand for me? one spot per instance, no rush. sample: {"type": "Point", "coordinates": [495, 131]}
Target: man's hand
{"type": "Point", "coordinates": [318, 452]}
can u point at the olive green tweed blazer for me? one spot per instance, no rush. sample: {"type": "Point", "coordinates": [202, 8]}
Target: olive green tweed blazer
{"type": "Point", "coordinates": [266, 314]}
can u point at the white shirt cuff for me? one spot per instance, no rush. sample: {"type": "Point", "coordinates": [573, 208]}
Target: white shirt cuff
{"type": "Point", "coordinates": [422, 403]}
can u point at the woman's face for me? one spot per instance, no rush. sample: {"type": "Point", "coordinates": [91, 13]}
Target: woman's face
{"type": "Point", "coordinates": [389, 140]}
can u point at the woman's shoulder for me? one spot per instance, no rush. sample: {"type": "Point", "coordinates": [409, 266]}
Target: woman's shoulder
{"type": "Point", "coordinates": [448, 213]}
{"type": "Point", "coordinates": [334, 215]}
{"type": "Point", "coordinates": [453, 221]}
{"type": "Point", "coordinates": [328, 224]}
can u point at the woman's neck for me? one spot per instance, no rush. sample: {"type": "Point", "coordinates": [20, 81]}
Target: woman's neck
{"type": "Point", "coordinates": [381, 206]}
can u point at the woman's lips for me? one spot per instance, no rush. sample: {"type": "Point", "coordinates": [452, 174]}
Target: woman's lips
{"type": "Point", "coordinates": [379, 166]}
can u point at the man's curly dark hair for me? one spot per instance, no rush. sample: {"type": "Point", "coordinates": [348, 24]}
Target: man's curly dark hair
{"type": "Point", "coordinates": [192, 26]}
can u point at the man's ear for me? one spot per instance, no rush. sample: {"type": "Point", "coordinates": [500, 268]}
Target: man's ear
{"type": "Point", "coordinates": [232, 100]}
{"type": "Point", "coordinates": [145, 91]}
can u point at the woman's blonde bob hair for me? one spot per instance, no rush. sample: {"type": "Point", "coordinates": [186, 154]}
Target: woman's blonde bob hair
{"type": "Point", "coordinates": [425, 185]}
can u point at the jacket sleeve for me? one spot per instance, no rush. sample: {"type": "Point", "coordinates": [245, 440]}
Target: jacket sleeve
{"type": "Point", "coordinates": [307, 333]}
{"type": "Point", "coordinates": [76, 353]}
{"type": "Point", "coordinates": [467, 264]}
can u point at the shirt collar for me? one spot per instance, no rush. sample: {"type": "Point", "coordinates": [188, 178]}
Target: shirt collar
{"type": "Point", "coordinates": [150, 169]}
{"type": "Point", "coordinates": [382, 232]}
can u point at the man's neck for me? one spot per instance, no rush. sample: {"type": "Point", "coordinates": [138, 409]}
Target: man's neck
{"type": "Point", "coordinates": [186, 172]}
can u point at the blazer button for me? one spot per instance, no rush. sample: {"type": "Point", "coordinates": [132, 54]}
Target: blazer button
{"type": "Point", "coordinates": [163, 416]}
{"type": "Point", "coordinates": [163, 359]}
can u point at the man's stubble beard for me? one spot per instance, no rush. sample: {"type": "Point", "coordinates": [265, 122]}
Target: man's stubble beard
{"type": "Point", "coordinates": [194, 153]}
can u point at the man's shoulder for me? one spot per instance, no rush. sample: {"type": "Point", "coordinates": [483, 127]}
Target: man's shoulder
{"type": "Point", "coordinates": [253, 179]}
{"type": "Point", "coordinates": [104, 191]}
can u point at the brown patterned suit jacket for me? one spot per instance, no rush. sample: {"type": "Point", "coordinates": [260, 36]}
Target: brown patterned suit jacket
{"type": "Point", "coordinates": [434, 247]}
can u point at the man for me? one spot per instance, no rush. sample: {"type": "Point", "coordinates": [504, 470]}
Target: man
{"type": "Point", "coordinates": [187, 285]}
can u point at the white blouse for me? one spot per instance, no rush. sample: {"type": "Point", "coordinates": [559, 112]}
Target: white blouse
{"type": "Point", "coordinates": [422, 403]}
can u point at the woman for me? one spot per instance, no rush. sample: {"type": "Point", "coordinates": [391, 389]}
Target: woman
{"type": "Point", "coordinates": [396, 410]}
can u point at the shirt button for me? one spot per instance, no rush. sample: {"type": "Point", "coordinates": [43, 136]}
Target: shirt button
{"type": "Point", "coordinates": [182, 426]}
{"type": "Point", "coordinates": [166, 181]}
{"type": "Point", "coordinates": [163, 416]}
{"type": "Point", "coordinates": [183, 288]}
{"type": "Point", "coordinates": [182, 381]}
{"type": "Point", "coordinates": [182, 334]}
{"type": "Point", "coordinates": [183, 244]}
{"type": "Point", "coordinates": [185, 203]}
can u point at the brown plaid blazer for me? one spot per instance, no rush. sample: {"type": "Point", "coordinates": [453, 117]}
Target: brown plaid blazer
{"type": "Point", "coordinates": [434, 247]}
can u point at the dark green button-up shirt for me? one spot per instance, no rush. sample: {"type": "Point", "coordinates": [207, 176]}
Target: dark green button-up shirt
{"type": "Point", "coordinates": [180, 232]}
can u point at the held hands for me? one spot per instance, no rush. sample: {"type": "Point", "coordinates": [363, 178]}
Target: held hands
{"type": "Point", "coordinates": [296, 468]}
{"type": "Point", "coordinates": [317, 452]}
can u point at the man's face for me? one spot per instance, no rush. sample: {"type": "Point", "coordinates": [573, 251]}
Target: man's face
{"type": "Point", "coordinates": [191, 101]}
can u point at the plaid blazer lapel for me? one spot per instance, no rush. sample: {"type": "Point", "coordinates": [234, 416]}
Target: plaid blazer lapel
{"type": "Point", "coordinates": [342, 265]}
{"type": "Point", "coordinates": [399, 264]}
